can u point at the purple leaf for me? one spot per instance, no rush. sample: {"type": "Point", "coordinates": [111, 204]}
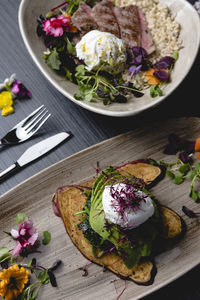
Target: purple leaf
{"type": "Point", "coordinates": [184, 157]}
{"type": "Point", "coordinates": [162, 75]}
{"type": "Point", "coordinates": [164, 62]}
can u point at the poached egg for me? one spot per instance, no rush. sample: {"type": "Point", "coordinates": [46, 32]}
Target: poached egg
{"type": "Point", "coordinates": [96, 46]}
{"type": "Point", "coordinates": [130, 215]}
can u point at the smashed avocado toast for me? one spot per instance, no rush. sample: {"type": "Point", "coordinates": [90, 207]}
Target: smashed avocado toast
{"type": "Point", "coordinates": [125, 235]}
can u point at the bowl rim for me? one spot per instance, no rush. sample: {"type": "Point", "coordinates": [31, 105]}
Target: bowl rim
{"type": "Point", "coordinates": [86, 105]}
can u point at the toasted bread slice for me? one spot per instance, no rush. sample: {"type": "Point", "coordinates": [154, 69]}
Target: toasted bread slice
{"type": "Point", "coordinates": [71, 199]}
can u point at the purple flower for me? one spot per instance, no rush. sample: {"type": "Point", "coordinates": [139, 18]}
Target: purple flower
{"type": "Point", "coordinates": [176, 144]}
{"type": "Point", "coordinates": [165, 62]}
{"type": "Point", "coordinates": [134, 70]}
{"type": "Point", "coordinates": [20, 90]}
{"type": "Point", "coordinates": [140, 54]}
{"type": "Point", "coordinates": [25, 236]}
{"type": "Point", "coordinates": [162, 75]}
{"type": "Point", "coordinates": [184, 157]}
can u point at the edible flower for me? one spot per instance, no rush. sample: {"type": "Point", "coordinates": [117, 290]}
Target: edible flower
{"type": "Point", "coordinates": [25, 236]}
{"type": "Point", "coordinates": [13, 281]}
{"type": "Point", "coordinates": [7, 82]}
{"type": "Point", "coordinates": [165, 62]}
{"type": "Point", "coordinates": [6, 103]}
{"type": "Point", "coordinates": [20, 90]}
{"type": "Point", "coordinates": [151, 78]}
{"type": "Point", "coordinates": [10, 89]}
{"type": "Point", "coordinates": [140, 54]}
{"type": "Point", "coordinates": [57, 26]}
{"type": "Point", "coordinates": [134, 70]}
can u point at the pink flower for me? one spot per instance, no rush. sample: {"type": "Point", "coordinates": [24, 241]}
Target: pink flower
{"type": "Point", "coordinates": [25, 236]}
{"type": "Point", "coordinates": [56, 26]}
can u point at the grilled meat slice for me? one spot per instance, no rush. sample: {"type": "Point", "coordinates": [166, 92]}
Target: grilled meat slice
{"type": "Point", "coordinates": [83, 19]}
{"type": "Point", "coordinates": [146, 37]}
{"type": "Point", "coordinates": [103, 14]}
{"type": "Point", "coordinates": [129, 24]}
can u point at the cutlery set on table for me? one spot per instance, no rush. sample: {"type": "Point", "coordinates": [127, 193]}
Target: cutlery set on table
{"type": "Point", "coordinates": [24, 130]}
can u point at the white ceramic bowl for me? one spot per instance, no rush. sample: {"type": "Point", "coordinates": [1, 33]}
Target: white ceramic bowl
{"type": "Point", "coordinates": [190, 34]}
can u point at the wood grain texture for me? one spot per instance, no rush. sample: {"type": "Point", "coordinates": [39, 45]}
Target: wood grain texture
{"type": "Point", "coordinates": [34, 197]}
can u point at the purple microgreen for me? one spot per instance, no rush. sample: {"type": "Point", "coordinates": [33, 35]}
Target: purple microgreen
{"type": "Point", "coordinates": [165, 62]}
{"type": "Point", "coordinates": [162, 75]}
{"type": "Point", "coordinates": [134, 70]}
{"type": "Point", "coordinates": [84, 269]}
{"type": "Point", "coordinates": [188, 212]}
{"type": "Point", "coordinates": [184, 157]}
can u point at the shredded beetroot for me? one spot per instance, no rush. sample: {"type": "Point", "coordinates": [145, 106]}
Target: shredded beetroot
{"type": "Point", "coordinates": [121, 291]}
{"type": "Point", "coordinates": [54, 8]}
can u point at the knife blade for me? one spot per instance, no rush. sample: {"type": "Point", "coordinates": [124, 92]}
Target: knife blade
{"type": "Point", "coordinates": [35, 151]}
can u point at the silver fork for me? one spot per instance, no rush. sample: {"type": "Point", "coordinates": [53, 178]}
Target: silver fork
{"type": "Point", "coordinates": [26, 128]}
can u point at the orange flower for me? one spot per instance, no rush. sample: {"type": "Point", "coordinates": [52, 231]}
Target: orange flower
{"type": "Point", "coordinates": [12, 282]}
{"type": "Point", "coordinates": [72, 27]}
{"type": "Point", "coordinates": [197, 145]}
{"type": "Point", "coordinates": [150, 78]}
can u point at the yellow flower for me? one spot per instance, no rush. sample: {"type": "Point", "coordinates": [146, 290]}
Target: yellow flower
{"type": "Point", "coordinates": [7, 110]}
{"type": "Point", "coordinates": [5, 99]}
{"type": "Point", "coordinates": [6, 103]}
{"type": "Point", "coordinates": [12, 281]}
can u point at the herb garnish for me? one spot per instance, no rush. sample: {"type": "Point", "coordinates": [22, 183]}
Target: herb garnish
{"type": "Point", "coordinates": [99, 85]}
{"type": "Point", "coordinates": [184, 167]}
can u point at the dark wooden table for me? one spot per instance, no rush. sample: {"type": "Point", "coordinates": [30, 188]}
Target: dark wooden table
{"type": "Point", "coordinates": [88, 128]}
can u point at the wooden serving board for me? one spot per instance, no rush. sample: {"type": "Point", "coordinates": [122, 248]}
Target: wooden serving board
{"type": "Point", "coordinates": [34, 198]}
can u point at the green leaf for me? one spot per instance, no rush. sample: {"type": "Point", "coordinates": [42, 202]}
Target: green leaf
{"type": "Point", "coordinates": [78, 97]}
{"type": "Point", "coordinates": [191, 174]}
{"type": "Point", "coordinates": [178, 178]}
{"type": "Point", "coordinates": [88, 97]}
{"type": "Point", "coordinates": [194, 195]}
{"type": "Point", "coordinates": [46, 237]}
{"type": "Point", "coordinates": [184, 168]}
{"type": "Point", "coordinates": [53, 60]}
{"type": "Point", "coordinates": [71, 48]}
{"type": "Point", "coordinates": [155, 91]}
{"type": "Point", "coordinates": [175, 55]}
{"type": "Point", "coordinates": [43, 277]}
{"type": "Point", "coordinates": [68, 74]}
{"type": "Point", "coordinates": [197, 167]}
{"type": "Point", "coordinates": [21, 217]}
{"type": "Point", "coordinates": [4, 252]}
{"type": "Point", "coordinates": [170, 174]}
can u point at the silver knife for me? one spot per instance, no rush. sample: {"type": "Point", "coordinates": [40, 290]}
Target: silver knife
{"type": "Point", "coordinates": [35, 152]}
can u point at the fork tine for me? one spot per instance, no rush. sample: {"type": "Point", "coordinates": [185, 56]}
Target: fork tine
{"type": "Point", "coordinates": [35, 117]}
{"type": "Point", "coordinates": [29, 116]}
{"type": "Point", "coordinates": [39, 125]}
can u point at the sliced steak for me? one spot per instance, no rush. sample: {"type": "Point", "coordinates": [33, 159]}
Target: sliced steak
{"type": "Point", "coordinates": [103, 14]}
{"type": "Point", "coordinates": [146, 37]}
{"type": "Point", "coordinates": [83, 19]}
{"type": "Point", "coordinates": [129, 24]}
